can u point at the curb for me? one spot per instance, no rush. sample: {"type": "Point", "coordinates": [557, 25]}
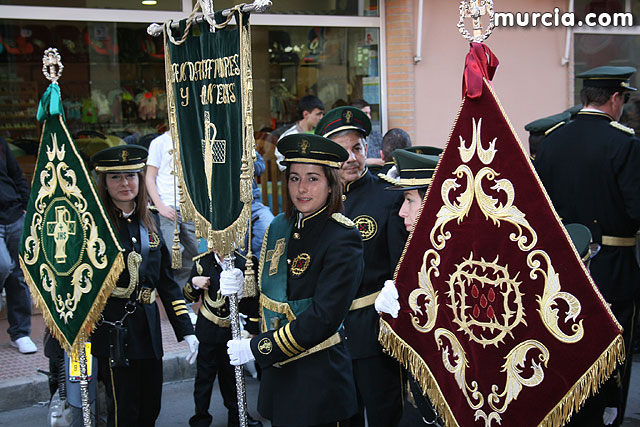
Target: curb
{"type": "Point", "coordinates": [22, 392]}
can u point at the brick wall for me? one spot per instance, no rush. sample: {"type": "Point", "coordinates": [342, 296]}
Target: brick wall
{"type": "Point", "coordinates": [400, 39]}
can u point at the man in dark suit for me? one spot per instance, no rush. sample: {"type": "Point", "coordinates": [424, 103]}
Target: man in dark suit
{"type": "Point", "coordinates": [375, 214]}
{"type": "Point", "coordinates": [590, 168]}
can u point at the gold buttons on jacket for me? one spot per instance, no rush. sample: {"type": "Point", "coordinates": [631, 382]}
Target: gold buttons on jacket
{"type": "Point", "coordinates": [134, 240]}
{"type": "Point", "coordinates": [296, 236]}
{"type": "Point", "coordinates": [344, 197]}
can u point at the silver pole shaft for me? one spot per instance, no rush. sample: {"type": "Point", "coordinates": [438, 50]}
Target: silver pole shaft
{"type": "Point", "coordinates": [241, 391]}
{"type": "Point", "coordinates": [84, 388]}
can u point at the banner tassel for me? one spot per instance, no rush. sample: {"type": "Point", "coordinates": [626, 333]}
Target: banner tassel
{"type": "Point", "coordinates": [250, 288]}
{"type": "Point", "coordinates": [176, 256]}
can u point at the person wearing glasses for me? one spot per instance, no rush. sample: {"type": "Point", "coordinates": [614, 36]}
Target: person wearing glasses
{"type": "Point", "coordinates": [590, 168]}
{"type": "Point", "coordinates": [128, 340]}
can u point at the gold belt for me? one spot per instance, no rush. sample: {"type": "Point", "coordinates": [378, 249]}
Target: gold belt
{"type": "Point", "coordinates": [618, 241]}
{"type": "Point", "coordinates": [223, 322]}
{"type": "Point", "coordinates": [329, 342]}
{"type": "Point", "coordinates": [364, 301]}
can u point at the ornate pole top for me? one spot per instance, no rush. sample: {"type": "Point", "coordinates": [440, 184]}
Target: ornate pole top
{"type": "Point", "coordinates": [476, 9]}
{"type": "Point", "coordinates": [50, 60]}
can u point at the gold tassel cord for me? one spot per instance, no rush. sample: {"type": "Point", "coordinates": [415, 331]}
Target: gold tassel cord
{"type": "Point", "coordinates": [250, 289]}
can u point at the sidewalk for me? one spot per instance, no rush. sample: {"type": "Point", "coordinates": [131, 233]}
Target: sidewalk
{"type": "Point", "coordinates": [22, 386]}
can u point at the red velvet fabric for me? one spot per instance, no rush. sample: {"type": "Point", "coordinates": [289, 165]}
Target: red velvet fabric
{"type": "Point", "coordinates": [485, 275]}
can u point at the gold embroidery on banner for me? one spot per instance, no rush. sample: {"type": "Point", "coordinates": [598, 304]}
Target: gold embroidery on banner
{"type": "Point", "coordinates": [68, 212]}
{"type": "Point", "coordinates": [458, 356]}
{"type": "Point", "coordinates": [452, 210]}
{"type": "Point", "coordinates": [548, 303]}
{"type": "Point", "coordinates": [475, 290]}
{"type": "Point", "coordinates": [426, 289]}
{"type": "Point", "coordinates": [494, 209]}
{"type": "Point", "coordinates": [485, 156]}
{"type": "Point", "coordinates": [366, 225]}
{"type": "Point", "coordinates": [513, 366]}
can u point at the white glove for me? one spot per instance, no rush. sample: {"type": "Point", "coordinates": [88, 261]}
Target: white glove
{"type": "Point", "coordinates": [231, 282]}
{"type": "Point", "coordinates": [239, 351]}
{"type": "Point", "coordinates": [193, 348]}
{"type": "Point", "coordinates": [387, 300]}
{"type": "Point", "coordinates": [609, 416]}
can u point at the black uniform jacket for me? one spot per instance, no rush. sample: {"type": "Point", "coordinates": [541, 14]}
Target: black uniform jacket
{"type": "Point", "coordinates": [144, 336]}
{"type": "Point", "coordinates": [375, 213]}
{"type": "Point", "coordinates": [591, 170]}
{"type": "Point", "coordinates": [213, 325]}
{"type": "Point", "coordinates": [317, 388]}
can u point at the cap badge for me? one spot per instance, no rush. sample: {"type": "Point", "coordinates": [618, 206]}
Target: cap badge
{"type": "Point", "coordinates": [124, 155]}
{"type": "Point", "coordinates": [304, 146]}
{"type": "Point", "coordinates": [348, 115]}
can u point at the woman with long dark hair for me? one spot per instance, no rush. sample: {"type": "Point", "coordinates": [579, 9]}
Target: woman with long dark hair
{"type": "Point", "coordinates": [310, 268]}
{"type": "Point", "coordinates": [128, 340]}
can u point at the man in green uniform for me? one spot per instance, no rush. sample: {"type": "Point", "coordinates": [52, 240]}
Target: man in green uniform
{"type": "Point", "coordinates": [375, 213]}
{"type": "Point", "coordinates": [590, 168]}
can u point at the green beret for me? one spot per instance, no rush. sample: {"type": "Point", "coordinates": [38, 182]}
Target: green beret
{"type": "Point", "coordinates": [414, 170]}
{"type": "Point", "coordinates": [546, 124]}
{"type": "Point", "coordinates": [344, 118]}
{"type": "Point", "coordinates": [573, 110]}
{"type": "Point", "coordinates": [608, 77]}
{"type": "Point", "coordinates": [581, 237]}
{"type": "Point", "coordinates": [121, 158]}
{"type": "Point", "coordinates": [310, 148]}
{"type": "Point", "coordinates": [425, 149]}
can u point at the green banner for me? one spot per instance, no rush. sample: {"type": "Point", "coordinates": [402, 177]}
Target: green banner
{"type": "Point", "coordinates": [70, 255]}
{"type": "Point", "coordinates": [209, 95]}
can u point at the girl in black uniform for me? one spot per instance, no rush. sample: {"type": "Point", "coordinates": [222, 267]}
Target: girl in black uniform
{"type": "Point", "coordinates": [128, 341]}
{"type": "Point", "coordinates": [310, 268]}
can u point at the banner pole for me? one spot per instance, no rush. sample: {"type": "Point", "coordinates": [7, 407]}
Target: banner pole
{"type": "Point", "coordinates": [84, 388]}
{"type": "Point", "coordinates": [241, 392]}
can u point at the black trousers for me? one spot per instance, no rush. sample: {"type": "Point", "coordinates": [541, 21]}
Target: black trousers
{"type": "Point", "coordinates": [213, 360]}
{"type": "Point", "coordinates": [379, 387]}
{"type": "Point", "coordinates": [134, 394]}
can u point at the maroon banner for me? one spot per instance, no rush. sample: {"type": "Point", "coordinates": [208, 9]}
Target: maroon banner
{"type": "Point", "coordinates": [499, 320]}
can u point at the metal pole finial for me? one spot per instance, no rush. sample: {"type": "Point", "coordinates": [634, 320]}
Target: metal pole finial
{"type": "Point", "coordinates": [50, 61]}
{"type": "Point", "coordinates": [476, 9]}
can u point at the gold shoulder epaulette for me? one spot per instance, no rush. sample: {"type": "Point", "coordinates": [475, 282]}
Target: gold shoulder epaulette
{"type": "Point", "coordinates": [202, 255]}
{"type": "Point", "coordinates": [622, 127]}
{"type": "Point", "coordinates": [153, 208]}
{"type": "Point", "coordinates": [341, 219]}
{"type": "Point", "coordinates": [387, 178]}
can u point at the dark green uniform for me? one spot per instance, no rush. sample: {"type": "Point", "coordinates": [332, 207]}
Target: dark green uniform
{"type": "Point", "coordinates": [306, 368]}
{"type": "Point", "coordinates": [378, 376]}
{"type": "Point", "coordinates": [138, 388]}
{"type": "Point", "coordinates": [591, 171]}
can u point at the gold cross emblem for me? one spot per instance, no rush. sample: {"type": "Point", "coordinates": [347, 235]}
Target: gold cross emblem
{"type": "Point", "coordinates": [273, 256]}
{"type": "Point", "coordinates": [60, 230]}
{"type": "Point", "coordinates": [304, 146]}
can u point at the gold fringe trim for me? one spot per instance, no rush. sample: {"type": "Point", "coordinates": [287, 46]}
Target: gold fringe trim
{"type": "Point", "coordinates": [587, 385]}
{"type": "Point", "coordinates": [574, 399]}
{"type": "Point", "coordinates": [412, 361]}
{"type": "Point", "coordinates": [93, 315]}
{"type": "Point", "coordinates": [278, 307]}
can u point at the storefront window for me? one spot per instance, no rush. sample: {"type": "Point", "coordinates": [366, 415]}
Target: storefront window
{"type": "Point", "coordinates": [113, 81]}
{"type": "Point", "coordinates": [113, 84]}
{"type": "Point", "coordinates": [101, 4]}
{"type": "Point", "coordinates": [316, 7]}
{"type": "Point", "coordinates": [337, 65]}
